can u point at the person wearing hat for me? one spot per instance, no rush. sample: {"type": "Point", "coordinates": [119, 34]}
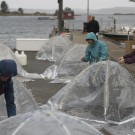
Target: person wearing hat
{"type": "Point", "coordinates": [96, 50]}
{"type": "Point", "coordinates": [8, 69]}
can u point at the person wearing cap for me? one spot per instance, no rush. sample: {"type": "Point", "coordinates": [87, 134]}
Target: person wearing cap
{"type": "Point", "coordinates": [96, 50]}
{"type": "Point", "coordinates": [8, 69]}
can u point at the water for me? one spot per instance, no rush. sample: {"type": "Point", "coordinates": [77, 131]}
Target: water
{"type": "Point", "coordinates": [12, 27]}
{"type": "Point", "coordinates": [23, 27]}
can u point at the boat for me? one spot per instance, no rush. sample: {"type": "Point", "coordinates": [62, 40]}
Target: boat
{"type": "Point", "coordinates": [124, 33]}
{"type": "Point", "coordinates": [46, 18]}
{"type": "Point", "coordinates": [117, 35]}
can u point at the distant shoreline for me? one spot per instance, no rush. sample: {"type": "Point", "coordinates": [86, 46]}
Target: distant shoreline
{"type": "Point", "coordinates": [15, 13]}
{"type": "Point", "coordinates": [124, 14]}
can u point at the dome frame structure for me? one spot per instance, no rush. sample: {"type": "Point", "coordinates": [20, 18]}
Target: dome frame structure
{"type": "Point", "coordinates": [44, 122]}
{"type": "Point", "coordinates": [63, 71]}
{"type": "Point", "coordinates": [103, 92]}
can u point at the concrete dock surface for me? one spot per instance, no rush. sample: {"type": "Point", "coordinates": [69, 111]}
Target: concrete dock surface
{"type": "Point", "coordinates": [42, 90]}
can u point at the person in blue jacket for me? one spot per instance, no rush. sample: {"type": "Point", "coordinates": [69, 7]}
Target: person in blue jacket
{"type": "Point", "coordinates": [96, 50]}
{"type": "Point", "coordinates": [8, 69]}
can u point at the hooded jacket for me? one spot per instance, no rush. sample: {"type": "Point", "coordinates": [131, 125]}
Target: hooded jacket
{"type": "Point", "coordinates": [95, 52]}
{"type": "Point", "coordinates": [8, 68]}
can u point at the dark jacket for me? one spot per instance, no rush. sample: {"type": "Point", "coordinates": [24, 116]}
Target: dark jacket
{"type": "Point", "coordinates": [129, 58]}
{"type": "Point", "coordinates": [93, 26]}
{"type": "Point", "coordinates": [8, 68]}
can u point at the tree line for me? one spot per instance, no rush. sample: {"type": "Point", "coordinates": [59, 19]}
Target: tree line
{"type": "Point", "coordinates": [4, 10]}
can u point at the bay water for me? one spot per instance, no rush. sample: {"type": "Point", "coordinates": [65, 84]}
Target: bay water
{"type": "Point", "coordinates": [12, 27]}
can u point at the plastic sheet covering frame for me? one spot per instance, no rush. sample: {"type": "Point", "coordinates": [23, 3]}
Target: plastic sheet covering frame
{"type": "Point", "coordinates": [46, 122]}
{"type": "Point", "coordinates": [104, 92]}
{"type": "Point", "coordinates": [7, 53]}
{"type": "Point", "coordinates": [24, 100]}
{"type": "Point", "coordinates": [69, 67]}
{"type": "Point", "coordinates": [55, 48]}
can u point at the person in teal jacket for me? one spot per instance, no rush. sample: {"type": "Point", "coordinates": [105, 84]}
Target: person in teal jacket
{"type": "Point", "coordinates": [96, 50]}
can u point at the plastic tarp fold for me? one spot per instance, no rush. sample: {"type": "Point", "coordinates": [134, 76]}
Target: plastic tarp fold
{"type": "Point", "coordinates": [127, 128]}
{"type": "Point", "coordinates": [103, 92]}
{"type": "Point", "coordinates": [46, 122]}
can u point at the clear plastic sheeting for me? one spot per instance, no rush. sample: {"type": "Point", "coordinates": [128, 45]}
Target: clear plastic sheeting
{"type": "Point", "coordinates": [55, 48]}
{"type": "Point", "coordinates": [70, 66]}
{"type": "Point", "coordinates": [51, 72]}
{"type": "Point", "coordinates": [103, 92]}
{"type": "Point", "coordinates": [127, 128]}
{"type": "Point", "coordinates": [46, 122]}
{"type": "Point", "coordinates": [24, 100]}
{"type": "Point", "coordinates": [7, 53]}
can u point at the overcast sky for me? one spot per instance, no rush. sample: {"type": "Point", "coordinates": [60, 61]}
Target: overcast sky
{"type": "Point", "coordinates": [82, 4]}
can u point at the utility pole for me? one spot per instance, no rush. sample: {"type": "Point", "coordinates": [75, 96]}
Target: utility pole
{"type": "Point", "coordinates": [87, 10]}
{"type": "Point", "coordinates": [87, 7]}
{"type": "Point", "coordinates": [60, 13]}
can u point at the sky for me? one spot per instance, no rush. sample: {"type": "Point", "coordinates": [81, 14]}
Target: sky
{"type": "Point", "coordinates": [81, 4]}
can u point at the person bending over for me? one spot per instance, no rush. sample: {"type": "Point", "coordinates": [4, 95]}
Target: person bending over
{"type": "Point", "coordinates": [96, 50]}
{"type": "Point", "coordinates": [8, 69]}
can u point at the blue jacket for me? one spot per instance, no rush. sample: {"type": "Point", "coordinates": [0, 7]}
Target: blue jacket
{"type": "Point", "coordinates": [97, 51]}
{"type": "Point", "coordinates": [8, 68]}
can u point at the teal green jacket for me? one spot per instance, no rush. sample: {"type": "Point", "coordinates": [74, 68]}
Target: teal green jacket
{"type": "Point", "coordinates": [97, 51]}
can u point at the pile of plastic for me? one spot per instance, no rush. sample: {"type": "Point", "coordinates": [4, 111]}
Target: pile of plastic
{"type": "Point", "coordinates": [55, 48]}
{"type": "Point", "coordinates": [103, 92]}
{"type": "Point", "coordinates": [69, 67]}
{"type": "Point", "coordinates": [46, 122]}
